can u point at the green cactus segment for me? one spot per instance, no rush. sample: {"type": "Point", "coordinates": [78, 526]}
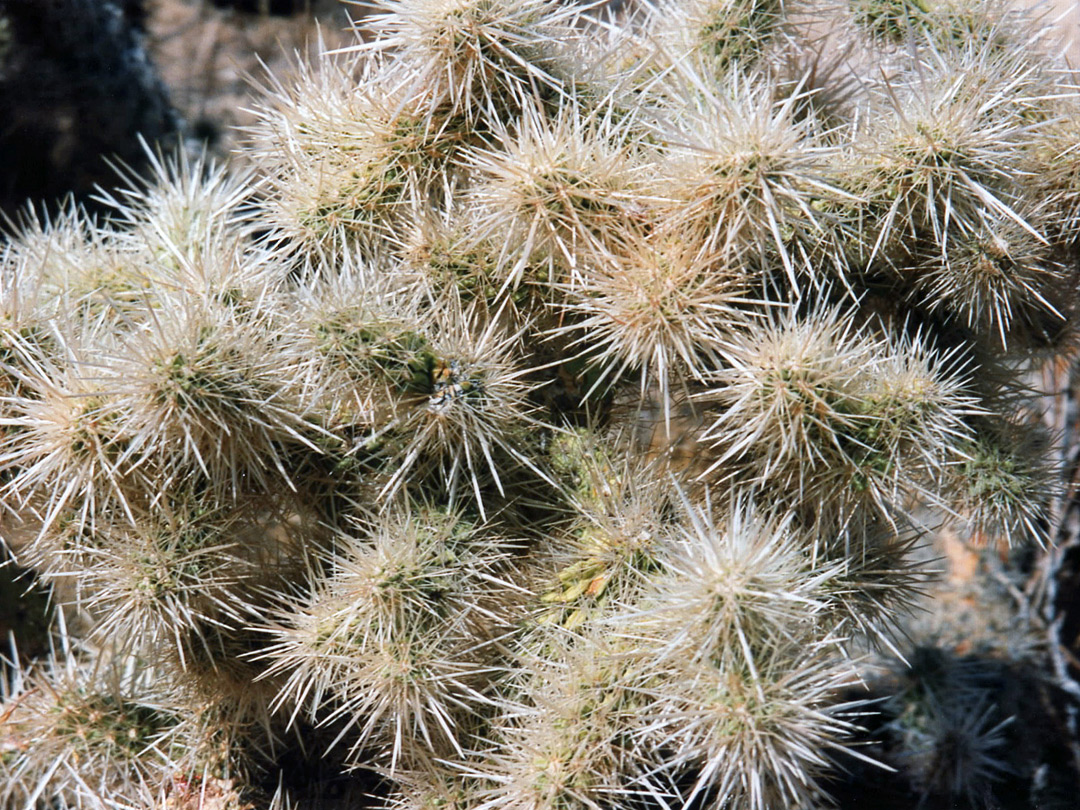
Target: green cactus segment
{"type": "Point", "coordinates": [1008, 485]}
{"type": "Point", "coordinates": [469, 269]}
{"type": "Point", "coordinates": [891, 20]}
{"type": "Point", "coordinates": [738, 31]}
{"type": "Point", "coordinates": [398, 633]}
{"type": "Point", "coordinates": [189, 385]}
{"type": "Point", "coordinates": [610, 560]}
{"type": "Point", "coordinates": [391, 353]}
{"type": "Point", "coordinates": [578, 456]}
{"type": "Point", "coordinates": [115, 728]}
{"type": "Point", "coordinates": [400, 357]}
{"type": "Point", "coordinates": [992, 473]}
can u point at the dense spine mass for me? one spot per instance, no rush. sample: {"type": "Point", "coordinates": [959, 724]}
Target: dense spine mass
{"type": "Point", "coordinates": [550, 419]}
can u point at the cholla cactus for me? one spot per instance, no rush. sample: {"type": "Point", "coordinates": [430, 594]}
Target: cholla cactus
{"type": "Point", "coordinates": [94, 728]}
{"type": "Point", "coordinates": [545, 419]}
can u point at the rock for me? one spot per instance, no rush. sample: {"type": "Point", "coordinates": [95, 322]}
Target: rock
{"type": "Point", "coordinates": [76, 91]}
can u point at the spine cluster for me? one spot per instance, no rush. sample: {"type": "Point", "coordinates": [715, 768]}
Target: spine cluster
{"type": "Point", "coordinates": [549, 414]}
